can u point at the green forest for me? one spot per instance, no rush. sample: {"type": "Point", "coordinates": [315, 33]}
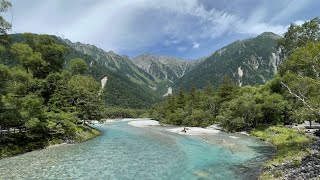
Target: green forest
{"type": "Point", "coordinates": [292, 96]}
{"type": "Point", "coordinates": [42, 103]}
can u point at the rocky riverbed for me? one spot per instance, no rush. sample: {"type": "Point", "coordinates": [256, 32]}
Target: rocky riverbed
{"type": "Point", "coordinates": [307, 168]}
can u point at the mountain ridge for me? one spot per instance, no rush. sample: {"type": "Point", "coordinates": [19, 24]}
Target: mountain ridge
{"type": "Point", "coordinates": [164, 67]}
{"type": "Point", "coordinates": [259, 58]}
{"type": "Point", "coordinates": [145, 79]}
{"type": "Point", "coordinates": [250, 61]}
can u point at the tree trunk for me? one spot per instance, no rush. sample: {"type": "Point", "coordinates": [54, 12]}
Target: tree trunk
{"type": "Point", "coordinates": [310, 122]}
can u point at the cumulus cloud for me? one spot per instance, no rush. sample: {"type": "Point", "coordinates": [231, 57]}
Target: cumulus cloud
{"type": "Point", "coordinates": [136, 24]}
{"type": "Point", "coordinates": [195, 45]}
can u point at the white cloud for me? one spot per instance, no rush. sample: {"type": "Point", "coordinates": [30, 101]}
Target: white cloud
{"type": "Point", "coordinates": [258, 28]}
{"type": "Point", "coordinates": [299, 22]}
{"type": "Point", "coordinates": [291, 7]}
{"type": "Point", "coordinates": [170, 42]}
{"type": "Point", "coordinates": [195, 45]}
{"type": "Point", "coordinates": [136, 24]}
{"type": "Point", "coordinates": [181, 49]}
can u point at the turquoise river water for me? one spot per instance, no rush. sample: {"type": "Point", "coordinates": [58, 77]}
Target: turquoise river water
{"type": "Point", "coordinates": [127, 152]}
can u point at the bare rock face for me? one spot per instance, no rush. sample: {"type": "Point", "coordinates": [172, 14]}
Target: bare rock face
{"type": "Point", "coordinates": [108, 59]}
{"type": "Point", "coordinates": [163, 67]}
{"type": "Point", "coordinates": [104, 82]}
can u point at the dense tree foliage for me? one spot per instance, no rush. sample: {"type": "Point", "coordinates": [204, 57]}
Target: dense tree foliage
{"type": "Point", "coordinates": [234, 108]}
{"type": "Point", "coordinates": [32, 88]}
{"type": "Point", "coordinates": [114, 113]}
{"type": "Point", "coordinates": [292, 96]}
{"type": "Point", "coordinates": [79, 94]}
{"type": "Point", "coordinates": [78, 66]}
{"type": "Point", "coordinates": [4, 25]}
{"type": "Point", "coordinates": [299, 35]}
{"type": "Point", "coordinates": [41, 102]}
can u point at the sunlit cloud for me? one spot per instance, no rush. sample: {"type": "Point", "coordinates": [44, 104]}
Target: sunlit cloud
{"type": "Point", "coordinates": [137, 26]}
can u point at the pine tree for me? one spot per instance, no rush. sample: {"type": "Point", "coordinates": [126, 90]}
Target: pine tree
{"type": "Point", "coordinates": [227, 89]}
{"type": "Point", "coordinates": [181, 98]}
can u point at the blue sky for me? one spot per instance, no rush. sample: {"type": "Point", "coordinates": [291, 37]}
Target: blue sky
{"type": "Point", "coordinates": [182, 28]}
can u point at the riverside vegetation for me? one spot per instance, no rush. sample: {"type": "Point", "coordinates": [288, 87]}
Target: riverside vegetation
{"type": "Point", "coordinates": [43, 100]}
{"type": "Point", "coordinates": [292, 96]}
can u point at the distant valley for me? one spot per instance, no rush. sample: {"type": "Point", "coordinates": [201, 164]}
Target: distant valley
{"type": "Point", "coordinates": [148, 78]}
{"type": "Point", "coordinates": [144, 80]}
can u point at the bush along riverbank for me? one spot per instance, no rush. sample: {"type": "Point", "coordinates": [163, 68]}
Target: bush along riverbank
{"type": "Point", "coordinates": [19, 143]}
{"type": "Point", "coordinates": [297, 157]}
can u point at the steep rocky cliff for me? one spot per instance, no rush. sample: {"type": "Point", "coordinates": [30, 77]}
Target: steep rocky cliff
{"type": "Point", "coordinates": [163, 67]}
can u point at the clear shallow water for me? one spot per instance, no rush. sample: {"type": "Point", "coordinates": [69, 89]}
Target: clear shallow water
{"type": "Point", "coordinates": [126, 152]}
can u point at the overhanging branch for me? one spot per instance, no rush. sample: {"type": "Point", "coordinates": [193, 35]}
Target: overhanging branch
{"type": "Point", "coordinates": [301, 98]}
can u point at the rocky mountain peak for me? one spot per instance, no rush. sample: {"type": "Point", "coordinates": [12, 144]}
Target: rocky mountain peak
{"type": "Point", "coordinates": [164, 67]}
{"type": "Point", "coordinates": [270, 35]}
{"type": "Point", "coordinates": [251, 61]}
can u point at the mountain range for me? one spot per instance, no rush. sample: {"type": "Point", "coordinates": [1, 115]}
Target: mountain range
{"type": "Point", "coordinates": [164, 67]}
{"type": "Point", "coordinates": [144, 80]}
{"type": "Point", "coordinates": [248, 62]}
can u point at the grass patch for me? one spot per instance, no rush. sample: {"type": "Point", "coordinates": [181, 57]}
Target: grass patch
{"type": "Point", "coordinates": [84, 133]}
{"type": "Point", "coordinates": [271, 175]}
{"type": "Point", "coordinates": [291, 144]}
{"type": "Point", "coordinates": [266, 176]}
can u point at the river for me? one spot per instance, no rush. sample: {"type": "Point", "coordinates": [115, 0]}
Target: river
{"type": "Point", "coordinates": [127, 152]}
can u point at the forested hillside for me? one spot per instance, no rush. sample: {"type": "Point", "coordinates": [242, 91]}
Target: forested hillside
{"type": "Point", "coordinates": [292, 96]}
{"type": "Point", "coordinates": [247, 62]}
{"type": "Point", "coordinates": [126, 86]}
{"type": "Point", "coordinates": [140, 83]}
{"type": "Point", "coordinates": [145, 80]}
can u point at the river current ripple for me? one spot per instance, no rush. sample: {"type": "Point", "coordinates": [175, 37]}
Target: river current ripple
{"type": "Point", "coordinates": [126, 152]}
